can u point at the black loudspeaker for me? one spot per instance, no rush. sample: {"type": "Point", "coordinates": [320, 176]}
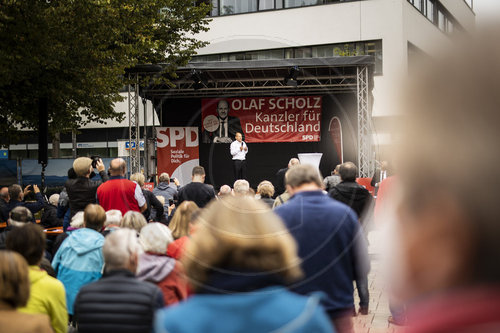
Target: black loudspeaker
{"type": "Point", "coordinates": [43, 129]}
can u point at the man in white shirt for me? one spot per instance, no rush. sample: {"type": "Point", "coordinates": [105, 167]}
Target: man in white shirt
{"type": "Point", "coordinates": [239, 150]}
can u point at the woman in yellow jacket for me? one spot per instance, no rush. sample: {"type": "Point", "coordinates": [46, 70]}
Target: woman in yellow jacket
{"type": "Point", "coordinates": [47, 294]}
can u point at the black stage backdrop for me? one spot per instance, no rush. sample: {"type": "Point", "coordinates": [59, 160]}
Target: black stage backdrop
{"type": "Point", "coordinates": [265, 159]}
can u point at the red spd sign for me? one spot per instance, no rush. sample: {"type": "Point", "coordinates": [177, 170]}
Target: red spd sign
{"type": "Point", "coordinates": [262, 119]}
{"type": "Point", "coordinates": [177, 151]}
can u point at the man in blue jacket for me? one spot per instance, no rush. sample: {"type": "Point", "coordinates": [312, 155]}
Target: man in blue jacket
{"type": "Point", "coordinates": [331, 245]}
{"type": "Point", "coordinates": [79, 259]}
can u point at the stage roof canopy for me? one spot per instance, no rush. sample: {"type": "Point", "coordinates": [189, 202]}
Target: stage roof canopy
{"type": "Point", "coordinates": [264, 77]}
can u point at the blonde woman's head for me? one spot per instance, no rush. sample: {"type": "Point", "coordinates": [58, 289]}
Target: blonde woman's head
{"type": "Point", "coordinates": [242, 234]}
{"type": "Point", "coordinates": [182, 217]}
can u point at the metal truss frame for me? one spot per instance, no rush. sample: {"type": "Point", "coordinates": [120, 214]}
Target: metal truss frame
{"type": "Point", "coordinates": [365, 158]}
{"type": "Point", "coordinates": [133, 124]}
{"type": "Point", "coordinates": [256, 86]}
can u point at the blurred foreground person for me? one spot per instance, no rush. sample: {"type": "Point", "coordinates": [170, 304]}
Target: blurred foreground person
{"type": "Point", "coordinates": [239, 271]}
{"type": "Point", "coordinates": [14, 293]}
{"type": "Point", "coordinates": [331, 244]}
{"type": "Point", "coordinates": [79, 259]}
{"type": "Point", "coordinates": [47, 293]}
{"type": "Point", "coordinates": [156, 267]}
{"type": "Point", "coordinates": [449, 232]}
{"type": "Point", "coordinates": [118, 302]}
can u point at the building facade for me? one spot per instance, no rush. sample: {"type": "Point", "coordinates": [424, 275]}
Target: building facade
{"type": "Point", "coordinates": [393, 31]}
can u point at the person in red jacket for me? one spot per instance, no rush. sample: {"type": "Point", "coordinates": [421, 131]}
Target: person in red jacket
{"type": "Point", "coordinates": [119, 192]}
{"type": "Point", "coordinates": [156, 267]}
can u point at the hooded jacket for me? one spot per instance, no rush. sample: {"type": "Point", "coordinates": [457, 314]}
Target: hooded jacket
{"type": "Point", "coordinates": [165, 190]}
{"type": "Point", "coordinates": [79, 261]}
{"type": "Point", "coordinates": [353, 195]}
{"type": "Point", "coordinates": [166, 273]}
{"type": "Point", "coordinates": [47, 297]}
{"type": "Point", "coordinates": [244, 303]}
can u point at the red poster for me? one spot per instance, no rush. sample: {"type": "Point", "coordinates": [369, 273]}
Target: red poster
{"type": "Point", "coordinates": [177, 151]}
{"type": "Point", "coordinates": [262, 119]}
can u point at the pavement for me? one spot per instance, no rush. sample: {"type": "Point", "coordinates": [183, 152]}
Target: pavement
{"type": "Point", "coordinates": [376, 320]}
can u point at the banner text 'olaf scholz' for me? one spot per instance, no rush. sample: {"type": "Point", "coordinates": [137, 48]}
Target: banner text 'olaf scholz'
{"type": "Point", "coordinates": [262, 119]}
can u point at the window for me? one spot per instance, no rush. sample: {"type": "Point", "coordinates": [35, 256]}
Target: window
{"type": "Point", "coordinates": [302, 3]}
{"type": "Point", "coordinates": [441, 20]}
{"type": "Point", "coordinates": [437, 14]}
{"type": "Point", "coordinates": [373, 48]}
{"type": "Point", "coordinates": [418, 4]}
{"type": "Point", "coordinates": [449, 26]}
{"type": "Point", "coordinates": [430, 10]}
{"type": "Point", "coordinates": [228, 7]}
{"type": "Point", "coordinates": [266, 4]}
{"type": "Point", "coordinates": [303, 52]}
{"type": "Point", "coordinates": [215, 8]}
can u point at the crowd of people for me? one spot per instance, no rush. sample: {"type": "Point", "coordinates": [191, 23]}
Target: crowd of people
{"type": "Point", "coordinates": [124, 253]}
{"type": "Point", "coordinates": [235, 260]}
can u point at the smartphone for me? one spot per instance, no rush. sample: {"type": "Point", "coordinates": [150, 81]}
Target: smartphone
{"type": "Point", "coordinates": [170, 202]}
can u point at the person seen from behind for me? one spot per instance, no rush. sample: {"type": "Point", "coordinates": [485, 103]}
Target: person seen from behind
{"type": "Point", "coordinates": [239, 272]}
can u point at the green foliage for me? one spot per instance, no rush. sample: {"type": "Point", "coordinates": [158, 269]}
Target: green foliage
{"type": "Point", "coordinates": [75, 52]}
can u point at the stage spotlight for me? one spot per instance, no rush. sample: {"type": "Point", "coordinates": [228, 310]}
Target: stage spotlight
{"type": "Point", "coordinates": [291, 79]}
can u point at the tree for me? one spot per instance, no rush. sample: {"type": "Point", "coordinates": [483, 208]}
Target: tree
{"type": "Point", "coordinates": [75, 53]}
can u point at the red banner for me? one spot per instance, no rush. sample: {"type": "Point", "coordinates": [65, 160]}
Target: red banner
{"type": "Point", "coordinates": [177, 151]}
{"type": "Point", "coordinates": [262, 119]}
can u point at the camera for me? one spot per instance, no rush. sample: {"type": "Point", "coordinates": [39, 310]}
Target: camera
{"type": "Point", "coordinates": [95, 159]}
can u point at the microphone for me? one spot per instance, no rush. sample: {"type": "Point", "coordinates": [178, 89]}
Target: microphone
{"type": "Point", "coordinates": [242, 143]}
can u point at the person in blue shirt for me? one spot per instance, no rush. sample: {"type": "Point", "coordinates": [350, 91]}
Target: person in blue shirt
{"type": "Point", "coordinates": [331, 245]}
